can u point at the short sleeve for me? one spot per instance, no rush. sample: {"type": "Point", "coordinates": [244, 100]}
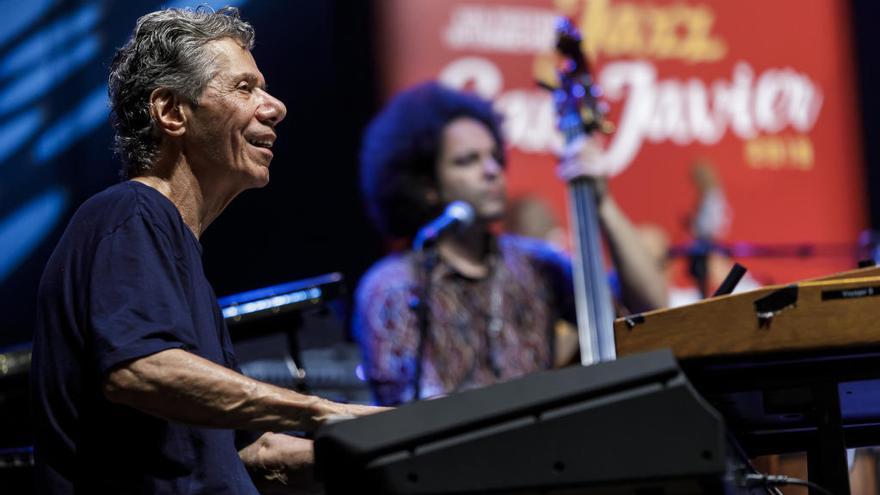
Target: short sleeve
{"type": "Point", "coordinates": [137, 305]}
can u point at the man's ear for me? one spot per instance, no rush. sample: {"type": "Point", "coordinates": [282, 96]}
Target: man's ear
{"type": "Point", "coordinates": [166, 110]}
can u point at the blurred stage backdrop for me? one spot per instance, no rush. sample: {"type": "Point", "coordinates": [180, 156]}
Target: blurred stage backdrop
{"type": "Point", "coordinates": [769, 93]}
{"type": "Point", "coordinates": [766, 92]}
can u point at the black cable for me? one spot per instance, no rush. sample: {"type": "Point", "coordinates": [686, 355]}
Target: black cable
{"type": "Point", "coordinates": [769, 480]}
{"type": "Point", "coordinates": [733, 277]}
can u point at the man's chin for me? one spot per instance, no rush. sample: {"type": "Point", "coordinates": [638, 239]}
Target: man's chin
{"type": "Point", "coordinates": [260, 178]}
{"type": "Point", "coordinates": [264, 180]}
{"type": "Point", "coordinates": [494, 210]}
{"type": "Point", "coordinates": [490, 215]}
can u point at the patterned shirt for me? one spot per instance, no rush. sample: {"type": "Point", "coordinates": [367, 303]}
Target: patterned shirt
{"type": "Point", "coordinates": [482, 331]}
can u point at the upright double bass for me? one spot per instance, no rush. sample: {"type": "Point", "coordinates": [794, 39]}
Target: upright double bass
{"type": "Point", "coordinates": [581, 113]}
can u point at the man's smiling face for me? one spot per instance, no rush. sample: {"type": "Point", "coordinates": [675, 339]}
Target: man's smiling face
{"type": "Point", "coordinates": [231, 131]}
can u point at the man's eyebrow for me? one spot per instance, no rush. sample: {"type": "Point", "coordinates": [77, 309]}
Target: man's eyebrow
{"type": "Point", "coordinates": [252, 78]}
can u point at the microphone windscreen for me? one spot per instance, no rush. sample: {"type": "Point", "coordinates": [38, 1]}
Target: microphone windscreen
{"type": "Point", "coordinates": [461, 211]}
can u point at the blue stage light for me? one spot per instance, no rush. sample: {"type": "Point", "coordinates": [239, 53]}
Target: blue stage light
{"type": "Point", "coordinates": [17, 132]}
{"type": "Point", "coordinates": [281, 297]}
{"type": "Point", "coordinates": [19, 16]}
{"type": "Point", "coordinates": [46, 76]}
{"type": "Point", "coordinates": [278, 301]}
{"type": "Point", "coordinates": [66, 131]}
{"type": "Point", "coordinates": [24, 229]}
{"type": "Point", "coordinates": [214, 4]}
{"type": "Point", "coordinates": [55, 38]}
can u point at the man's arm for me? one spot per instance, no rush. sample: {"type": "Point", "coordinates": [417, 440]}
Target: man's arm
{"type": "Point", "coordinates": [642, 284]}
{"type": "Point", "coordinates": [180, 386]}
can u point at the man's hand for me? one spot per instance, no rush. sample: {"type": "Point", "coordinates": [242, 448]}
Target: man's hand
{"type": "Point", "coordinates": [280, 463]}
{"type": "Point", "coordinates": [583, 157]}
{"type": "Point", "coordinates": [336, 411]}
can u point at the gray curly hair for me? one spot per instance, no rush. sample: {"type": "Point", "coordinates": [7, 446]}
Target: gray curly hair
{"type": "Point", "coordinates": [166, 50]}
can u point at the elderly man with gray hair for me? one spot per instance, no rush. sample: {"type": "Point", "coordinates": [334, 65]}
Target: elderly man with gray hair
{"type": "Point", "coordinates": [134, 381]}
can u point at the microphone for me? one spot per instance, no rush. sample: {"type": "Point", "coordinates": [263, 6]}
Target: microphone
{"type": "Point", "coordinates": [458, 214]}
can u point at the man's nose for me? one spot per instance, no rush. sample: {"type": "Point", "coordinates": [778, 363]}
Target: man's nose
{"type": "Point", "coordinates": [272, 110]}
{"type": "Point", "coordinates": [491, 167]}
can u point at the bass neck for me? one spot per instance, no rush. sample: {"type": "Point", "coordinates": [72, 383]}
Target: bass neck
{"type": "Point", "coordinates": [593, 301]}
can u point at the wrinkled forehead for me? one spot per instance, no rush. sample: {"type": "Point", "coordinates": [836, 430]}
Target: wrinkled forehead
{"type": "Point", "coordinates": [230, 59]}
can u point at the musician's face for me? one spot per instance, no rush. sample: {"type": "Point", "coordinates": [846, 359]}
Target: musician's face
{"type": "Point", "coordinates": [470, 168]}
{"type": "Point", "coordinates": [232, 129]}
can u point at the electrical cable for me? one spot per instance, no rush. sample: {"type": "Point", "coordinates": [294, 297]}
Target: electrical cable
{"type": "Point", "coordinates": [771, 480]}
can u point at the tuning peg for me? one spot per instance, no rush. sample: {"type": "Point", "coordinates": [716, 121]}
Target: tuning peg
{"type": "Point", "coordinates": [587, 115]}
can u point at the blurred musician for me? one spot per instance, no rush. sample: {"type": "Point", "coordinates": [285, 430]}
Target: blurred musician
{"type": "Point", "coordinates": [493, 299]}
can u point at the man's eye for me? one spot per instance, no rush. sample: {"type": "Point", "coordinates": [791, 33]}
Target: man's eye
{"type": "Point", "coordinates": [466, 159]}
{"type": "Point", "coordinates": [244, 87]}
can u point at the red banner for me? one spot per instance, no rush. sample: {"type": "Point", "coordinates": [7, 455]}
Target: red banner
{"type": "Point", "coordinates": [764, 91]}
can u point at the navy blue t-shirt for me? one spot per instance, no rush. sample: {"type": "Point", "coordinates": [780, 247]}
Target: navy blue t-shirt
{"type": "Point", "coordinates": [124, 282]}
